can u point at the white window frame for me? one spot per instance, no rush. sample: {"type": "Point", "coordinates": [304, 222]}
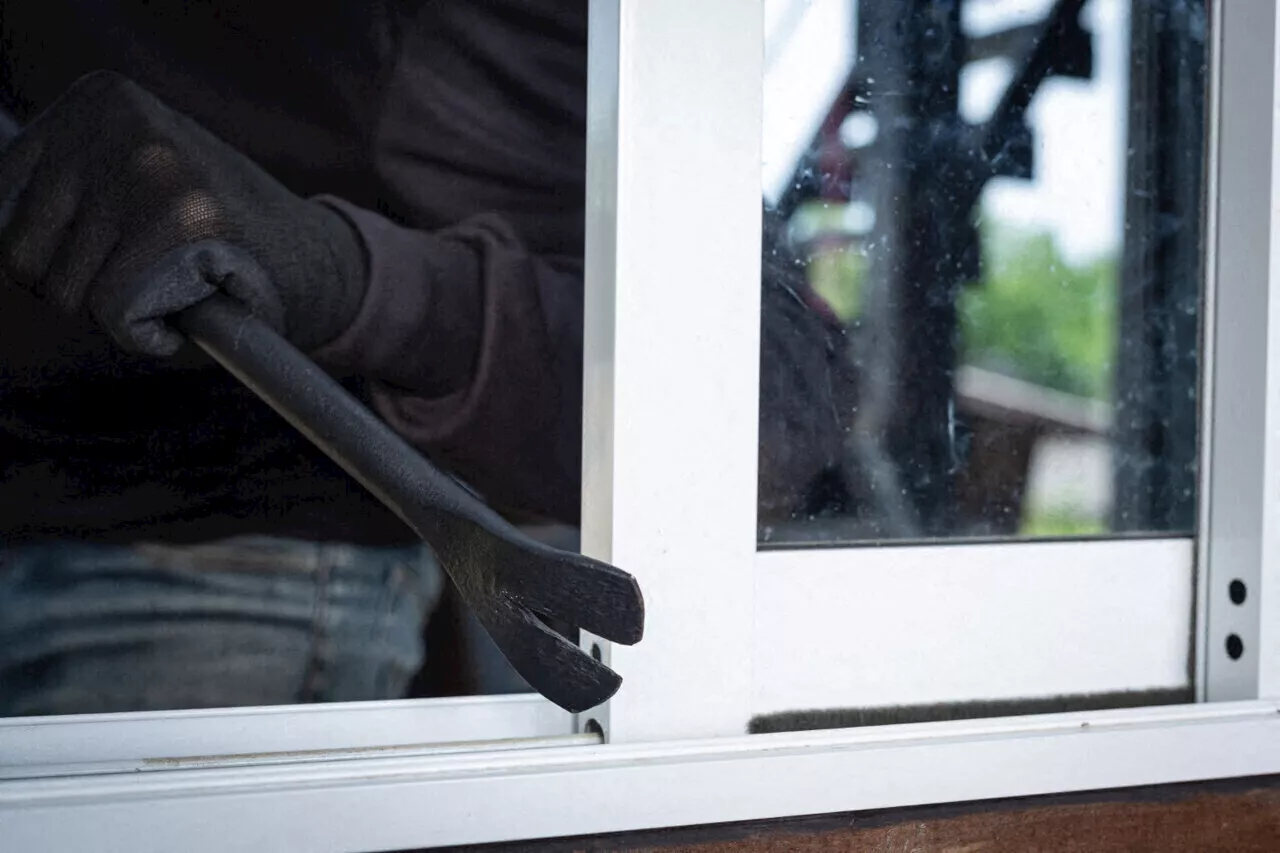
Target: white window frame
{"type": "Point", "coordinates": [672, 340]}
{"type": "Point", "coordinates": [863, 628]}
{"type": "Point", "coordinates": [44, 746]}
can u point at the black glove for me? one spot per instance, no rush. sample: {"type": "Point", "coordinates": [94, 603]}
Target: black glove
{"type": "Point", "coordinates": [120, 207]}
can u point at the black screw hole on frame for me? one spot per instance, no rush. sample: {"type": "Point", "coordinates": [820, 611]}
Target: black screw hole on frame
{"type": "Point", "coordinates": [1235, 646]}
{"type": "Point", "coordinates": [1238, 591]}
{"type": "Point", "coordinates": [596, 653]}
{"type": "Point", "coordinates": [593, 727]}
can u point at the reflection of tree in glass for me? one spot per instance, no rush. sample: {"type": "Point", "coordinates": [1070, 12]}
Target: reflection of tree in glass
{"type": "Point", "coordinates": [1036, 317]}
{"type": "Point", "coordinates": [1040, 318]}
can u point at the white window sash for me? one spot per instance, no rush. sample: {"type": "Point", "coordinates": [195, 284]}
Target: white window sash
{"type": "Point", "coordinates": [672, 349]}
{"type": "Point", "coordinates": [924, 625]}
{"type": "Point", "coordinates": [673, 245]}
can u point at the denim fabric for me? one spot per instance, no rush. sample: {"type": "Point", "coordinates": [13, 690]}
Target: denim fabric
{"type": "Point", "coordinates": [246, 621]}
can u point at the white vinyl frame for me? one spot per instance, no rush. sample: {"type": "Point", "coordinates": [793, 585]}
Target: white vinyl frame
{"type": "Point", "coordinates": [877, 627]}
{"type": "Point", "coordinates": [672, 344]}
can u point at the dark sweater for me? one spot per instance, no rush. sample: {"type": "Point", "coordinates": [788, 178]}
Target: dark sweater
{"type": "Point", "coordinates": [453, 133]}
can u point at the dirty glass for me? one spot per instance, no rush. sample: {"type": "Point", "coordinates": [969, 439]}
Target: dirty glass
{"type": "Point", "coordinates": [982, 268]}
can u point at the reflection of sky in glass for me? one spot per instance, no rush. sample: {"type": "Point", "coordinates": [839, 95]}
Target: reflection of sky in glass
{"type": "Point", "coordinates": [1079, 125]}
{"type": "Point", "coordinates": [807, 58]}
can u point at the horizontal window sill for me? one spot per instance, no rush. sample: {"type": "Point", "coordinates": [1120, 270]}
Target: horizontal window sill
{"type": "Point", "coordinates": [476, 797]}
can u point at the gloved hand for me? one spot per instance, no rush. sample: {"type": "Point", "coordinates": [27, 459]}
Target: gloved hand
{"type": "Point", "coordinates": [115, 205]}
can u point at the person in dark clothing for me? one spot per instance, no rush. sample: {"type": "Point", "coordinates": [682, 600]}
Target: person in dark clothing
{"type": "Point", "coordinates": [398, 187]}
{"type": "Point", "coordinates": [410, 177]}
{"type": "Point", "coordinates": [436, 151]}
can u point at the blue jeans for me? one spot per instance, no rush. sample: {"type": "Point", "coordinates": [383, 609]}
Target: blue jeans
{"type": "Point", "coordinates": [247, 621]}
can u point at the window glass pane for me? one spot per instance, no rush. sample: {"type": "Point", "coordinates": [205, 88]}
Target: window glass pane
{"type": "Point", "coordinates": [982, 268]}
